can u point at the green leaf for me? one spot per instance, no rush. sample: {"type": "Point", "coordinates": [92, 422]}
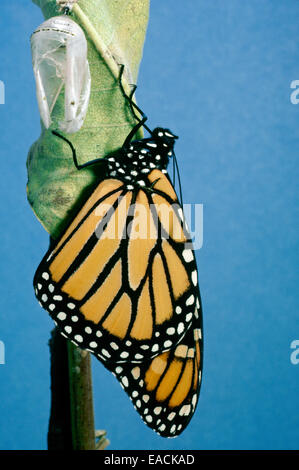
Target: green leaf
{"type": "Point", "coordinates": [55, 187]}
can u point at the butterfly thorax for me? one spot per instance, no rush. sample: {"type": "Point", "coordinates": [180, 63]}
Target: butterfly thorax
{"type": "Point", "coordinates": [134, 162]}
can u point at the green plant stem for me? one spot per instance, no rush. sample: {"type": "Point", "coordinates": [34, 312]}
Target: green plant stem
{"type": "Point", "coordinates": [104, 52]}
{"type": "Point", "coordinates": [99, 43]}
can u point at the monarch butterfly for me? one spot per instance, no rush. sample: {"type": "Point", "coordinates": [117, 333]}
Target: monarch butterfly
{"type": "Point", "coordinates": [122, 282]}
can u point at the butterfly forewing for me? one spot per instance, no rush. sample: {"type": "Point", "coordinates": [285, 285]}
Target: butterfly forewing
{"type": "Point", "coordinates": [122, 291]}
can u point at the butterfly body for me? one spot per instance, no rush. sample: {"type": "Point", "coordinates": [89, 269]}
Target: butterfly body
{"type": "Point", "coordinates": [121, 282]}
{"type": "Point", "coordinates": [138, 159]}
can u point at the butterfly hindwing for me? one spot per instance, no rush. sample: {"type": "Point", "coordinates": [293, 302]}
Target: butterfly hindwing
{"type": "Point", "coordinates": [164, 390]}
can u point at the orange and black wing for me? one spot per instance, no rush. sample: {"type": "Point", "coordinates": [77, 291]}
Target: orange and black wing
{"type": "Point", "coordinates": [120, 282]}
{"type": "Point", "coordinates": [164, 390]}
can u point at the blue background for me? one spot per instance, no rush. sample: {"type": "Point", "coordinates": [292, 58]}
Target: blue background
{"type": "Point", "coordinates": [218, 74]}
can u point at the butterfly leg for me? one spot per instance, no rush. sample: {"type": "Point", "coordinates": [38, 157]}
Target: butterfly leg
{"type": "Point", "coordinates": [77, 165]}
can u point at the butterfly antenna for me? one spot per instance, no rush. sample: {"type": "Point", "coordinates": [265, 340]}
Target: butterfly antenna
{"type": "Point", "coordinates": [176, 167]}
{"type": "Point", "coordinates": [173, 172]}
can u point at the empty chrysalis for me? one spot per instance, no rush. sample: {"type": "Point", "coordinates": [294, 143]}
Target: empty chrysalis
{"type": "Point", "coordinates": [59, 59]}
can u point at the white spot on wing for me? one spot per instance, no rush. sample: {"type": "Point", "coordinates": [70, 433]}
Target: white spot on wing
{"type": "Point", "coordinates": [188, 255]}
{"type": "Point", "coordinates": [125, 381]}
{"type": "Point", "coordinates": [194, 277]}
{"type": "Point", "coordinates": [190, 300]}
{"type": "Point", "coordinates": [61, 316]}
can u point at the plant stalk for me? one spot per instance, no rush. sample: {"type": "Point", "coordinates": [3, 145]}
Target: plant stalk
{"type": "Point", "coordinates": [104, 52]}
{"type": "Point", "coordinates": [81, 399]}
{"type": "Point", "coordinates": [71, 425]}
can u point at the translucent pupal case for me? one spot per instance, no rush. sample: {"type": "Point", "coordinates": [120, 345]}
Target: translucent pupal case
{"type": "Point", "coordinates": [59, 59]}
